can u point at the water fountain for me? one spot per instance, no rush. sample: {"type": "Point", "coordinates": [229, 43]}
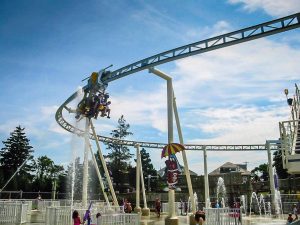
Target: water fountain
{"type": "Point", "coordinates": [196, 200]}
{"type": "Point", "coordinates": [262, 203]}
{"type": "Point", "coordinates": [243, 204]}
{"type": "Point", "coordinates": [254, 196]}
{"type": "Point", "coordinates": [221, 192]}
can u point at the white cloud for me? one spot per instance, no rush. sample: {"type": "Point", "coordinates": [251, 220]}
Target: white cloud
{"type": "Point", "coordinates": [271, 7]}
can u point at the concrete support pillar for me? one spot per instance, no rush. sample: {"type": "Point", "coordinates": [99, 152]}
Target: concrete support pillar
{"type": "Point", "coordinates": [99, 175]}
{"type": "Point", "coordinates": [206, 183]}
{"type": "Point", "coordinates": [171, 219]}
{"type": "Point", "coordinates": [271, 176]}
{"type": "Point", "coordinates": [137, 196]}
{"type": "Point", "coordinates": [85, 163]}
{"type": "Point", "coordinates": [105, 167]}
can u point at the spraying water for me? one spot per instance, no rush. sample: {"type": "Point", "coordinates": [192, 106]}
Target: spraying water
{"type": "Point", "coordinates": [255, 198]}
{"type": "Point", "coordinates": [221, 191]}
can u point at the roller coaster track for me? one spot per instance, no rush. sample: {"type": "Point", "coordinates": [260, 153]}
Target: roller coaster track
{"type": "Point", "coordinates": [210, 44]}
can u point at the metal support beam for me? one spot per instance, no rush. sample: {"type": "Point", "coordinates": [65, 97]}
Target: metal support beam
{"type": "Point", "coordinates": [105, 167]}
{"type": "Point", "coordinates": [271, 174]}
{"type": "Point", "coordinates": [185, 162]}
{"type": "Point", "coordinates": [85, 163]}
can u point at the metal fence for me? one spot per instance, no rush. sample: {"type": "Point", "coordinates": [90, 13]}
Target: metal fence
{"type": "Point", "coordinates": [13, 212]}
{"type": "Point", "coordinates": [119, 219]}
{"type": "Point", "coordinates": [222, 216]}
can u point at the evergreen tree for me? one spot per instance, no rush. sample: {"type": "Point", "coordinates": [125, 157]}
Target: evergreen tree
{"type": "Point", "coordinates": [148, 169]}
{"type": "Point", "coordinates": [15, 151]}
{"type": "Point", "coordinates": [119, 154]}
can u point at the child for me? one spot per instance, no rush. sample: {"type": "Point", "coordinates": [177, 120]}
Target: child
{"type": "Point", "coordinates": [290, 218]}
{"type": "Point", "coordinates": [76, 218]}
{"type": "Point", "coordinates": [200, 217]}
{"type": "Point", "coordinates": [157, 206]}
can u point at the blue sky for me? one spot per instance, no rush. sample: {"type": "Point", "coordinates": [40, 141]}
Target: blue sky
{"type": "Point", "coordinates": [228, 96]}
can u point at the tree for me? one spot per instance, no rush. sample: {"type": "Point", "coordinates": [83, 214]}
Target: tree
{"type": "Point", "coordinates": [119, 155]}
{"type": "Point", "coordinates": [261, 172]}
{"type": "Point", "coordinates": [46, 173]}
{"type": "Point", "coordinates": [16, 149]}
{"type": "Point", "coordinates": [148, 168]}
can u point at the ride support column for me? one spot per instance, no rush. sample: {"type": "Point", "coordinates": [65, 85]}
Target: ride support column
{"type": "Point", "coordinates": [99, 175]}
{"type": "Point", "coordinates": [137, 193]}
{"type": "Point", "coordinates": [185, 162]}
{"type": "Point", "coordinates": [206, 183]}
{"type": "Point", "coordinates": [85, 163]}
{"type": "Point", "coordinates": [115, 201]}
{"type": "Point", "coordinates": [271, 177]}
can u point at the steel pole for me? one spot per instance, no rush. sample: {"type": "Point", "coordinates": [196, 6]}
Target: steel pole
{"type": "Point", "coordinates": [85, 163]}
{"type": "Point", "coordinates": [105, 167]}
{"type": "Point", "coordinates": [206, 183]}
{"type": "Point", "coordinates": [138, 208]}
{"type": "Point", "coordinates": [185, 162]}
{"type": "Point", "coordinates": [99, 175]}
{"type": "Point", "coordinates": [271, 176]}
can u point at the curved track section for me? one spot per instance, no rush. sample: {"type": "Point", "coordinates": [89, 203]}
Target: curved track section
{"type": "Point", "coordinates": [221, 41]}
{"type": "Point", "coordinates": [70, 128]}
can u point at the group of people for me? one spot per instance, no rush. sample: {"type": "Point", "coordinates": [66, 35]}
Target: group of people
{"type": "Point", "coordinates": [92, 106]}
{"type": "Point", "coordinates": [77, 220]}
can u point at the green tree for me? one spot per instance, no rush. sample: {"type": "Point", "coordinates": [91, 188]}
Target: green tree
{"type": "Point", "coordinates": [46, 172]}
{"type": "Point", "coordinates": [148, 169]}
{"type": "Point", "coordinates": [16, 149]}
{"type": "Point", "coordinates": [260, 172]}
{"type": "Point", "coordinates": [119, 154]}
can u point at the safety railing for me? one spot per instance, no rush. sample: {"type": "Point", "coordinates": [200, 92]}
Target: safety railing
{"type": "Point", "coordinates": [119, 219]}
{"type": "Point", "coordinates": [13, 213]}
{"type": "Point", "coordinates": [223, 216]}
{"type": "Point", "coordinates": [180, 208]}
{"type": "Point", "coordinates": [43, 204]}
{"type": "Point", "coordinates": [28, 202]}
{"type": "Point", "coordinates": [62, 215]}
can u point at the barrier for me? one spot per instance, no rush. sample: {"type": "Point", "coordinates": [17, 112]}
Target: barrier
{"type": "Point", "coordinates": [179, 208]}
{"type": "Point", "coordinates": [43, 204]}
{"type": "Point", "coordinates": [119, 219]}
{"type": "Point", "coordinates": [62, 215]}
{"type": "Point", "coordinates": [223, 216]}
{"type": "Point", "coordinates": [13, 212]}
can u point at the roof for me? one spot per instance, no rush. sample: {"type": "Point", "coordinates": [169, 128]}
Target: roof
{"type": "Point", "coordinates": [230, 167]}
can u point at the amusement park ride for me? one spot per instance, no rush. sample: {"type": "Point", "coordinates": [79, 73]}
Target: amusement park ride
{"type": "Point", "coordinates": [95, 100]}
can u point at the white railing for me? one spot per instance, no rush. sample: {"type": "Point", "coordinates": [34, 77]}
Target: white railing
{"type": "Point", "coordinates": [43, 204]}
{"type": "Point", "coordinates": [62, 215]}
{"type": "Point", "coordinates": [223, 216]}
{"type": "Point", "coordinates": [119, 219]}
{"type": "Point", "coordinates": [28, 202]}
{"type": "Point", "coordinates": [15, 213]}
{"type": "Point", "coordinates": [179, 208]}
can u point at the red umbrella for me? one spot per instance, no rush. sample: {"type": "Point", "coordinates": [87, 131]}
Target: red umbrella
{"type": "Point", "coordinates": [170, 149]}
